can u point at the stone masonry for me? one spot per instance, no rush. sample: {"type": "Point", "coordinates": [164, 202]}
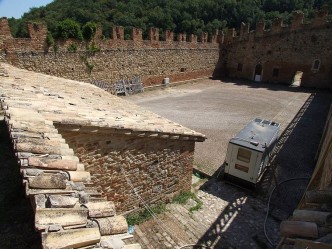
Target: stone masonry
{"type": "Point", "coordinates": [278, 54]}
{"type": "Point", "coordinates": [117, 141]}
{"type": "Point", "coordinates": [158, 168]}
{"type": "Point", "coordinates": [117, 59]}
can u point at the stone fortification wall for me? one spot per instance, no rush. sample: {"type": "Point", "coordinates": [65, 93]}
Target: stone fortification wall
{"type": "Point", "coordinates": [282, 51]}
{"type": "Point", "coordinates": [179, 57]}
{"type": "Point", "coordinates": [158, 168]}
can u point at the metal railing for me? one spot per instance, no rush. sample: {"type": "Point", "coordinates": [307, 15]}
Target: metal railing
{"type": "Point", "coordinates": [121, 87]}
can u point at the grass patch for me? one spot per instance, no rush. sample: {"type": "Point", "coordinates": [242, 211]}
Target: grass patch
{"type": "Point", "coordinates": [144, 215]}
{"type": "Point", "coordinates": [183, 198]}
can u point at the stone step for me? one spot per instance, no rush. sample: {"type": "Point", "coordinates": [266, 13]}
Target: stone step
{"type": "Point", "coordinates": [111, 225]}
{"type": "Point", "coordinates": [97, 199]}
{"type": "Point", "coordinates": [74, 238]}
{"type": "Point", "coordinates": [141, 238]}
{"type": "Point", "coordinates": [100, 209]}
{"type": "Point", "coordinates": [44, 217]}
{"type": "Point", "coordinates": [183, 235]}
{"type": "Point", "coordinates": [132, 246]}
{"type": "Point", "coordinates": [144, 239]}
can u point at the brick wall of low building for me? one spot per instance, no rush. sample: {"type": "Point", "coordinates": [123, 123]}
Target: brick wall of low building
{"type": "Point", "coordinates": [158, 168]}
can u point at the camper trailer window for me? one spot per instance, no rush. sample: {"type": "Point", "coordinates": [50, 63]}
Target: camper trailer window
{"type": "Point", "coordinates": [244, 155]}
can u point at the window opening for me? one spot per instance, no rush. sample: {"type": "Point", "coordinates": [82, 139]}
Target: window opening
{"type": "Point", "coordinates": [244, 155]}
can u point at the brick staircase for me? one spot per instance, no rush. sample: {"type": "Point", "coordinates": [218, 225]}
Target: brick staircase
{"type": "Point", "coordinates": [179, 227]}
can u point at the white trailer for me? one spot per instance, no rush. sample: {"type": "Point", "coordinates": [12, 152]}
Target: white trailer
{"type": "Point", "coordinates": [249, 151]}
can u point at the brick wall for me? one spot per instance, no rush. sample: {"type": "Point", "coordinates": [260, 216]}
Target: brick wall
{"type": "Point", "coordinates": [152, 59]}
{"type": "Point", "coordinates": [158, 168]}
{"type": "Point", "coordinates": [282, 51]}
{"type": "Point", "coordinates": [112, 65]}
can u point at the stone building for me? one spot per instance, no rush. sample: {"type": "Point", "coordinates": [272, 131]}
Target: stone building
{"type": "Point", "coordinates": [85, 154]}
{"type": "Point", "coordinates": [299, 53]}
{"type": "Point", "coordinates": [116, 141]}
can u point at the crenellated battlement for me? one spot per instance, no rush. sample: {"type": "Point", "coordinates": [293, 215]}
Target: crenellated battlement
{"type": "Point", "coordinates": [38, 33]}
{"type": "Point", "coordinates": [278, 27]}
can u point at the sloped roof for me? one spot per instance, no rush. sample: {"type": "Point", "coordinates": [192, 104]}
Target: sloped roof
{"type": "Point", "coordinates": [84, 106]}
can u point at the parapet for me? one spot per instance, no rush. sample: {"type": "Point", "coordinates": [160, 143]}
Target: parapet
{"type": "Point", "coordinates": [278, 27]}
{"type": "Point", "coordinates": [38, 35]}
{"type": "Point", "coordinates": [4, 29]}
{"type": "Point", "coordinates": [118, 33]}
{"type": "Point", "coordinates": [37, 31]}
{"type": "Point", "coordinates": [154, 34]}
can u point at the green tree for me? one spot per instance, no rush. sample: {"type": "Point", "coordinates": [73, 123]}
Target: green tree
{"type": "Point", "coordinates": [89, 30]}
{"type": "Point", "coordinates": [69, 29]}
{"type": "Point", "coordinates": [189, 16]}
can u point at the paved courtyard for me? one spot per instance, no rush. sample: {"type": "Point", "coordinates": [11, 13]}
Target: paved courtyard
{"type": "Point", "coordinates": [221, 109]}
{"type": "Point", "coordinates": [232, 217]}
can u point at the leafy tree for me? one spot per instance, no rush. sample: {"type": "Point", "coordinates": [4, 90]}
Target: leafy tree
{"type": "Point", "coordinates": [69, 29]}
{"type": "Point", "coordinates": [189, 16]}
{"type": "Point", "coordinates": [89, 30]}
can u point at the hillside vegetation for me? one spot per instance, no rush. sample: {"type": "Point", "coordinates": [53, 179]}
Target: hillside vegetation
{"type": "Point", "coordinates": [189, 16]}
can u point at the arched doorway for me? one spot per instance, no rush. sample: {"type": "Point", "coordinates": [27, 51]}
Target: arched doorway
{"type": "Point", "coordinates": [258, 73]}
{"type": "Point", "coordinates": [297, 78]}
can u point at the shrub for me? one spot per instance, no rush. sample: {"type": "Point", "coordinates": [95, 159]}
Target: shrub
{"type": "Point", "coordinates": [92, 48]}
{"type": "Point", "coordinates": [69, 29]}
{"type": "Point", "coordinates": [72, 48]}
{"type": "Point", "coordinates": [183, 198]}
{"type": "Point", "coordinates": [49, 39]}
{"type": "Point", "coordinates": [142, 216]}
{"type": "Point", "coordinates": [89, 30]}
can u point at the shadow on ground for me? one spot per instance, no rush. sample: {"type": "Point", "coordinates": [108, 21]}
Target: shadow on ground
{"type": "Point", "coordinates": [295, 157]}
{"type": "Point", "coordinates": [266, 85]}
{"type": "Point", "coordinates": [16, 215]}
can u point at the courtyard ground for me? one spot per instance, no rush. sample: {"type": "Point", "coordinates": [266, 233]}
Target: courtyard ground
{"type": "Point", "coordinates": [232, 217]}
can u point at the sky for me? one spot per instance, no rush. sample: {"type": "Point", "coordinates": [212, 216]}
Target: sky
{"type": "Point", "coordinates": [16, 8]}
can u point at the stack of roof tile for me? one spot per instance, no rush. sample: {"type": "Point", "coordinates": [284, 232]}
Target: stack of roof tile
{"type": "Point", "coordinates": [310, 226]}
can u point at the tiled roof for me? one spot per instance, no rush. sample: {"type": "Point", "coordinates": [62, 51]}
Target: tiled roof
{"type": "Point", "coordinates": [69, 211]}
{"type": "Point", "coordinates": [81, 106]}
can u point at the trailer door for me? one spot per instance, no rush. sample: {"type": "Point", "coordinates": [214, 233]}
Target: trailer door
{"type": "Point", "coordinates": [242, 164]}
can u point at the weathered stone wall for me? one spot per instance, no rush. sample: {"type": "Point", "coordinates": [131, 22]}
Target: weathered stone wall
{"type": "Point", "coordinates": [158, 168]}
{"type": "Point", "coordinates": [282, 51]}
{"type": "Point", "coordinates": [111, 65]}
{"type": "Point", "coordinates": [188, 57]}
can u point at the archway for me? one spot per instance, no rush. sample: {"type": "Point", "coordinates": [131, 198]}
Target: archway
{"type": "Point", "coordinates": [297, 78]}
{"type": "Point", "coordinates": [258, 73]}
